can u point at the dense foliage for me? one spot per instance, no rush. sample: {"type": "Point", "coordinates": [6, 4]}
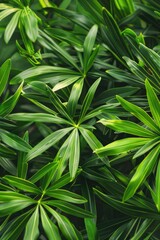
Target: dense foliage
{"type": "Point", "coordinates": [80, 119]}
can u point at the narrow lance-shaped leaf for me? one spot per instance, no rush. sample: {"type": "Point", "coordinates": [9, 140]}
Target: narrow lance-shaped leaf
{"type": "Point", "coordinates": [88, 99]}
{"type": "Point", "coordinates": [70, 208]}
{"type": "Point", "coordinates": [142, 172]}
{"type": "Point", "coordinates": [49, 227]}
{"type": "Point", "coordinates": [14, 141]}
{"type": "Point", "coordinates": [127, 127]}
{"type": "Point", "coordinates": [121, 146]}
{"type": "Point", "coordinates": [29, 21]}
{"type": "Point", "coordinates": [16, 226]}
{"type": "Point", "coordinates": [139, 113]}
{"type": "Point", "coordinates": [64, 224]}
{"type": "Point", "coordinates": [8, 105]}
{"type": "Point", "coordinates": [4, 75]}
{"type": "Point", "coordinates": [7, 12]}
{"type": "Point", "coordinates": [74, 153]}
{"type": "Point", "coordinates": [37, 117]}
{"type": "Point", "coordinates": [22, 184]}
{"type": "Point", "coordinates": [89, 44]}
{"type": "Point", "coordinates": [11, 26]}
{"type": "Point", "coordinates": [32, 231]}
{"type": "Point", "coordinates": [66, 195]}
{"type": "Point", "coordinates": [74, 96]}
{"type": "Point", "coordinates": [154, 103]}
{"type": "Point", "coordinates": [157, 188]}
{"type": "Point", "coordinates": [42, 172]}
{"type": "Point", "coordinates": [46, 143]}
{"type": "Point", "coordinates": [67, 82]}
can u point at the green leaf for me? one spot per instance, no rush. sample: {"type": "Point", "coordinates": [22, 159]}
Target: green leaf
{"type": "Point", "coordinates": [16, 227]}
{"type": "Point", "coordinates": [13, 206]}
{"type": "Point", "coordinates": [142, 172]}
{"type": "Point", "coordinates": [49, 227]}
{"type": "Point", "coordinates": [74, 153]}
{"type": "Point", "coordinates": [37, 117]}
{"type": "Point", "coordinates": [42, 172]}
{"type": "Point", "coordinates": [29, 21]}
{"type": "Point", "coordinates": [139, 113]}
{"type": "Point", "coordinates": [157, 188]}
{"type": "Point", "coordinates": [65, 83]}
{"type": "Point", "coordinates": [69, 208]}
{"type": "Point", "coordinates": [8, 196]}
{"type": "Point", "coordinates": [154, 103]}
{"type": "Point", "coordinates": [64, 224]}
{"type": "Point", "coordinates": [46, 143]}
{"type": "Point", "coordinates": [9, 30]}
{"type": "Point", "coordinates": [89, 44]}
{"type": "Point", "coordinates": [41, 70]}
{"type": "Point", "coordinates": [66, 195]}
{"type": "Point", "coordinates": [8, 105]}
{"type": "Point", "coordinates": [7, 12]}
{"type": "Point", "coordinates": [32, 231]}
{"type": "Point", "coordinates": [22, 184]}
{"type": "Point", "coordinates": [121, 146]}
{"type": "Point", "coordinates": [74, 96]}
{"type": "Point", "coordinates": [127, 208]}
{"type": "Point", "coordinates": [14, 141]}
{"type": "Point", "coordinates": [4, 75]}
{"type": "Point", "coordinates": [59, 105]}
{"type": "Point", "coordinates": [143, 229]}
{"type": "Point", "coordinates": [90, 138]}
{"type": "Point", "coordinates": [52, 45]}
{"type": "Point", "coordinates": [88, 99]}
{"type": "Point", "coordinates": [127, 127]}
{"type": "Point", "coordinates": [147, 147]}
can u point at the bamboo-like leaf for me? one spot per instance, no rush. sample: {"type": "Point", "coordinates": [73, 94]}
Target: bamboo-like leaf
{"type": "Point", "coordinates": [41, 70]}
{"type": "Point", "coordinates": [64, 224]}
{"type": "Point", "coordinates": [5, 13]}
{"type": "Point", "coordinates": [142, 172]}
{"type": "Point", "coordinates": [37, 117]}
{"type": "Point", "coordinates": [157, 188]}
{"type": "Point", "coordinates": [74, 153]}
{"type": "Point", "coordinates": [121, 146]}
{"type": "Point", "coordinates": [13, 206]}
{"type": "Point", "coordinates": [32, 231]}
{"type": "Point", "coordinates": [70, 208]}
{"type": "Point", "coordinates": [14, 141]}
{"type": "Point", "coordinates": [142, 230]}
{"type": "Point", "coordinates": [65, 83]}
{"type": "Point", "coordinates": [66, 195]}
{"type": "Point", "coordinates": [29, 21]}
{"type": "Point", "coordinates": [139, 113]}
{"type": "Point", "coordinates": [74, 96]}
{"type": "Point", "coordinates": [42, 172]}
{"type": "Point", "coordinates": [8, 105]}
{"type": "Point", "coordinates": [147, 147]}
{"type": "Point", "coordinates": [10, 195]}
{"type": "Point", "coordinates": [4, 75]}
{"type": "Point", "coordinates": [127, 127]}
{"type": "Point", "coordinates": [126, 208]}
{"type": "Point", "coordinates": [49, 227]}
{"type": "Point", "coordinates": [154, 103]}
{"type": "Point", "coordinates": [11, 26]}
{"type": "Point", "coordinates": [88, 99]}
{"type": "Point", "coordinates": [46, 143]}
{"type": "Point", "coordinates": [89, 44]}
{"type": "Point", "coordinates": [90, 138]}
{"type": "Point", "coordinates": [16, 227]}
{"type": "Point", "coordinates": [22, 184]}
{"type": "Point", "coordinates": [59, 105]}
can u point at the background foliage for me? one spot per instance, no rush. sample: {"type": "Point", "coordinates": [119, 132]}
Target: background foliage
{"type": "Point", "coordinates": [79, 119]}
